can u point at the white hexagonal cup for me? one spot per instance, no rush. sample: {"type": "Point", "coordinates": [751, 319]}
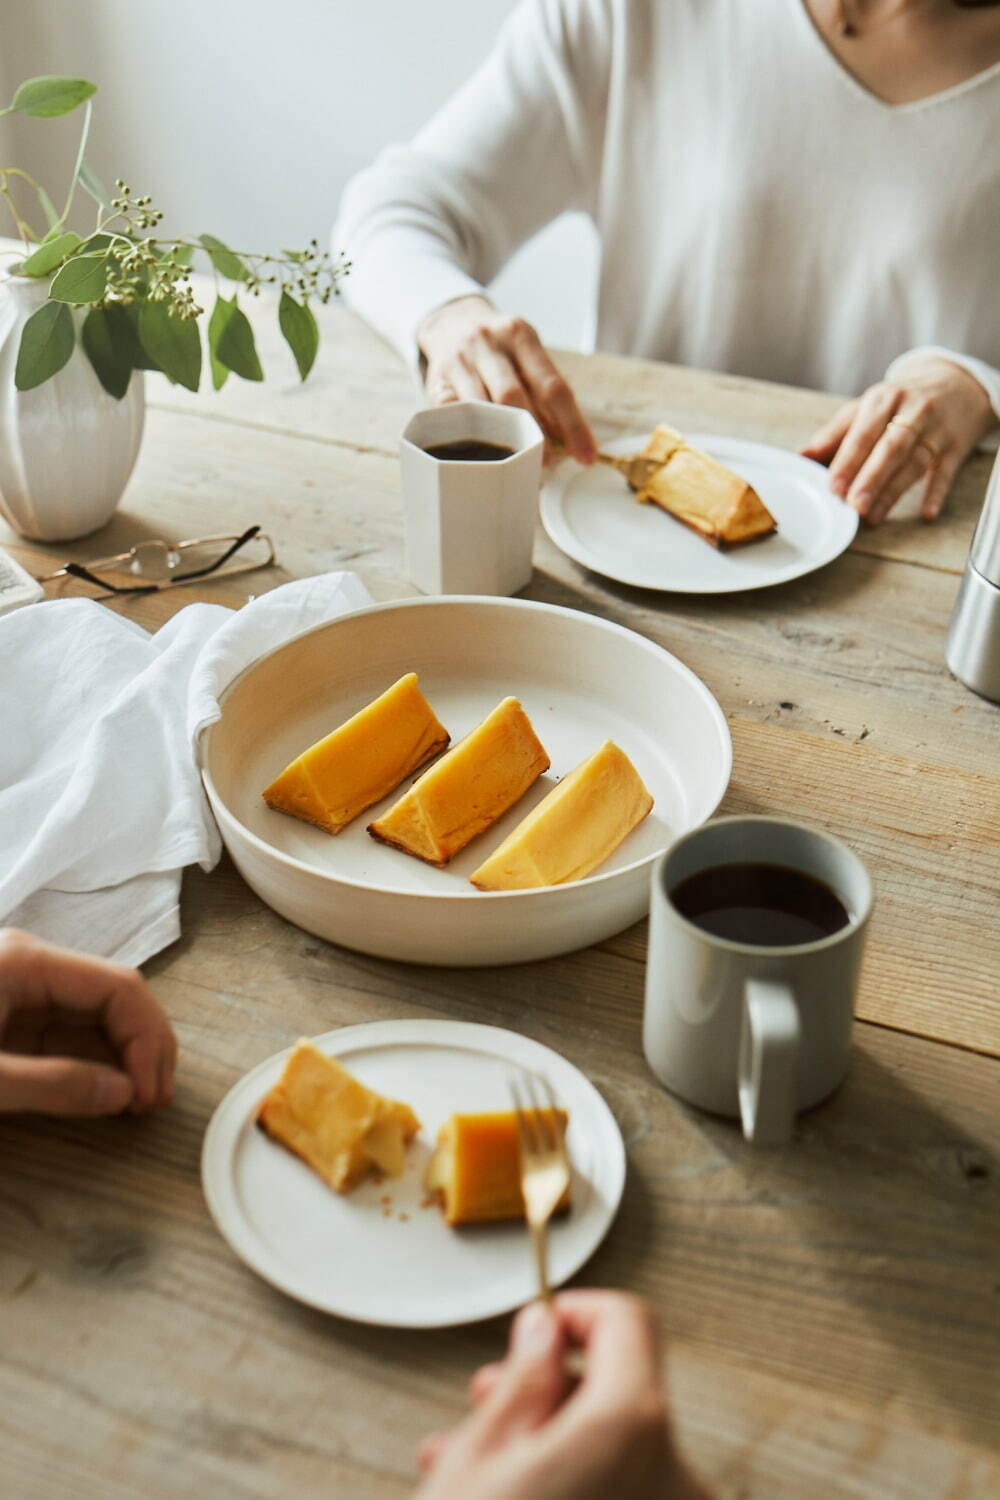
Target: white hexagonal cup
{"type": "Point", "coordinates": [470, 526]}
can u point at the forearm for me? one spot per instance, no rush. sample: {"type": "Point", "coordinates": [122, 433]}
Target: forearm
{"type": "Point", "coordinates": [517, 145]}
{"type": "Point", "coordinates": [402, 270]}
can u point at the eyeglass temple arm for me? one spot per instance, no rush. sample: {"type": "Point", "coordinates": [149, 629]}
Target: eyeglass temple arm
{"type": "Point", "coordinates": [240, 541]}
{"type": "Point", "coordinates": [77, 570]}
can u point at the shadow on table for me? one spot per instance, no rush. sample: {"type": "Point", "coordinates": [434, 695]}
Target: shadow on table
{"type": "Point", "coordinates": [862, 1259]}
{"type": "Point", "coordinates": [575, 587]}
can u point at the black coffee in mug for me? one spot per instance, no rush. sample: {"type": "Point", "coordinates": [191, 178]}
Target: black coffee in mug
{"type": "Point", "coordinates": [769, 906]}
{"type": "Point", "coordinates": [470, 451]}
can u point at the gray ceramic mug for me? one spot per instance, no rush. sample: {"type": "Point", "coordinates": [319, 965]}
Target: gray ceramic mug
{"type": "Point", "coordinates": [745, 1030]}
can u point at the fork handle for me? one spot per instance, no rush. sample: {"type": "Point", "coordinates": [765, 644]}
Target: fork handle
{"type": "Point", "coordinates": [539, 1237]}
{"type": "Point", "coordinates": [621, 462]}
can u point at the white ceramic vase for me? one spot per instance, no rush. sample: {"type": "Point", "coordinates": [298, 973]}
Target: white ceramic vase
{"type": "Point", "coordinates": [67, 448]}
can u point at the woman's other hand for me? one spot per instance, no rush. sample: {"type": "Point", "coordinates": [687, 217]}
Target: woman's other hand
{"type": "Point", "coordinates": [475, 353]}
{"type": "Point", "coordinates": [537, 1434]}
{"type": "Point", "coordinates": [78, 1035]}
{"type": "Point", "coordinates": [918, 426]}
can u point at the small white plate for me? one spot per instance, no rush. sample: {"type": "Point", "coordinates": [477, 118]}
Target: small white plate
{"type": "Point", "coordinates": [593, 516]}
{"type": "Point", "coordinates": [382, 1254]}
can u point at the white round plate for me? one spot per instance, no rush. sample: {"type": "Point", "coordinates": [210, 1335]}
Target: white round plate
{"type": "Point", "coordinates": [582, 680]}
{"type": "Point", "coordinates": [382, 1253]}
{"type": "Point", "coordinates": [593, 516]}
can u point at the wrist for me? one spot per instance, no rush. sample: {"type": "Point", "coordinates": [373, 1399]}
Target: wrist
{"type": "Point", "coordinates": [976, 381]}
{"type": "Point", "coordinates": [978, 397]}
{"type": "Point", "coordinates": [456, 316]}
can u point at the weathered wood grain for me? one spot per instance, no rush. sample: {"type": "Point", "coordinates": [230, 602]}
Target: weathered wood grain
{"type": "Point", "coordinates": [931, 838]}
{"type": "Point", "coordinates": [361, 395]}
{"type": "Point", "coordinates": [758, 1438]}
{"type": "Point", "coordinates": [861, 641]}
{"type": "Point", "coordinates": [832, 1311]}
{"type": "Point", "coordinates": [842, 710]}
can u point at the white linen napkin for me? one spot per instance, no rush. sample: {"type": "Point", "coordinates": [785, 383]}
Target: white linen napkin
{"type": "Point", "coordinates": [101, 802]}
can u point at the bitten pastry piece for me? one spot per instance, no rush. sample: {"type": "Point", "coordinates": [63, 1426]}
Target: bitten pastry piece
{"type": "Point", "coordinates": [362, 761]}
{"type": "Point", "coordinates": [341, 1128]}
{"type": "Point", "coordinates": [573, 829]}
{"type": "Point", "coordinates": [476, 1169]}
{"type": "Point", "coordinates": [703, 493]}
{"type": "Point", "coordinates": [468, 789]}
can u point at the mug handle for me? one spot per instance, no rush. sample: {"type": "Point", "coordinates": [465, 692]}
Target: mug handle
{"type": "Point", "coordinates": [769, 1054]}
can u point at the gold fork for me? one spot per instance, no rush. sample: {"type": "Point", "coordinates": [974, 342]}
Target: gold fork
{"type": "Point", "coordinates": [637, 468]}
{"type": "Point", "coordinates": [544, 1163]}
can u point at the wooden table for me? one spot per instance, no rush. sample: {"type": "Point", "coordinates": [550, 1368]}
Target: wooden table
{"type": "Point", "coordinates": [832, 1312]}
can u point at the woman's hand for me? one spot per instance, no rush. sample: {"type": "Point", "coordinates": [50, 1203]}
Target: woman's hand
{"type": "Point", "coordinates": [78, 1035]}
{"type": "Point", "coordinates": [475, 353]}
{"type": "Point", "coordinates": [918, 426]}
{"type": "Point", "coordinates": [538, 1435]}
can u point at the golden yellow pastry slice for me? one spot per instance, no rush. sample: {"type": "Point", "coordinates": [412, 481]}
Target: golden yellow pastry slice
{"type": "Point", "coordinates": [338, 1125]}
{"type": "Point", "coordinates": [662, 443]}
{"type": "Point", "coordinates": [703, 493]}
{"type": "Point", "coordinates": [468, 789]}
{"type": "Point", "coordinates": [573, 829]}
{"type": "Point", "coordinates": [362, 761]}
{"type": "Point", "coordinates": [475, 1171]}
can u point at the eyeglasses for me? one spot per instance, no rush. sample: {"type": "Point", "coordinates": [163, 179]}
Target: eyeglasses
{"type": "Point", "coordinates": [165, 565]}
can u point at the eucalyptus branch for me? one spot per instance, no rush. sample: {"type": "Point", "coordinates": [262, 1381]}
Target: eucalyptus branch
{"type": "Point", "coordinates": [24, 229]}
{"type": "Point", "coordinates": [20, 172]}
{"type": "Point", "coordinates": [85, 132]}
{"type": "Point", "coordinates": [132, 286]}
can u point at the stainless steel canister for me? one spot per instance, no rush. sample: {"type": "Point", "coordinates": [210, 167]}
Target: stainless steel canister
{"type": "Point", "coordinates": [973, 650]}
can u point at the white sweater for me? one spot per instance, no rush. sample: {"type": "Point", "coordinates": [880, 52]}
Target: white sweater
{"type": "Point", "coordinates": [760, 212]}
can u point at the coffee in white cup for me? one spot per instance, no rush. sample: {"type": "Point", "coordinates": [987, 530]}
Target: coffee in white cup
{"type": "Point", "coordinates": [471, 475]}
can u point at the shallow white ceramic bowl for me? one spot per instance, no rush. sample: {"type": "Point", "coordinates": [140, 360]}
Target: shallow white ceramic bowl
{"type": "Point", "coordinates": [581, 680]}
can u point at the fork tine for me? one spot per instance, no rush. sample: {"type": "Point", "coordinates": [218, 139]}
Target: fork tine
{"type": "Point", "coordinates": [543, 1079]}
{"type": "Point", "coordinates": [525, 1127]}
{"type": "Point", "coordinates": [553, 1106]}
{"type": "Point", "coordinates": [544, 1123]}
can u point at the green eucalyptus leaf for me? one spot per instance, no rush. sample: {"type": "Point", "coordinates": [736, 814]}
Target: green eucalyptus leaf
{"type": "Point", "coordinates": [82, 279]}
{"type": "Point", "coordinates": [225, 261]}
{"type": "Point", "coordinates": [138, 357]}
{"type": "Point", "coordinates": [51, 252]}
{"type": "Point", "coordinates": [96, 243]}
{"type": "Point", "coordinates": [48, 209]}
{"type": "Point", "coordinates": [236, 348]}
{"type": "Point", "coordinates": [107, 338]}
{"type": "Point", "coordinates": [47, 340]}
{"type": "Point", "coordinates": [301, 332]}
{"type": "Point", "coordinates": [221, 314]}
{"type": "Point", "coordinates": [48, 96]}
{"type": "Point", "coordinates": [92, 184]}
{"type": "Point", "coordinates": [172, 343]}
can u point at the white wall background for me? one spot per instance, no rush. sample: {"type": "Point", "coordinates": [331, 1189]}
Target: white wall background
{"type": "Point", "coordinates": [244, 118]}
